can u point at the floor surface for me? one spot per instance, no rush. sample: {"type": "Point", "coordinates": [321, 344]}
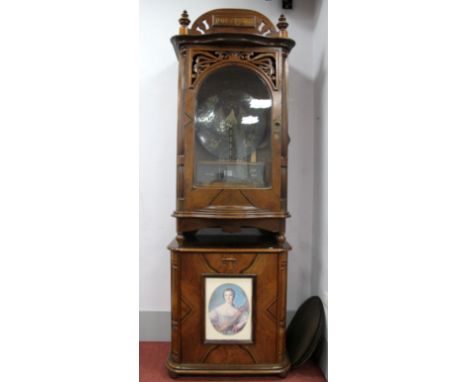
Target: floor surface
{"type": "Point", "coordinates": [153, 355]}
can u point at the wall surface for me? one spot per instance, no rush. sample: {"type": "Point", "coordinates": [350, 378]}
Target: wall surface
{"type": "Point", "coordinates": [307, 183]}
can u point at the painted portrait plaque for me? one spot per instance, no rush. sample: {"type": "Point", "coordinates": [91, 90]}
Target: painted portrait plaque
{"type": "Point", "coordinates": [228, 309]}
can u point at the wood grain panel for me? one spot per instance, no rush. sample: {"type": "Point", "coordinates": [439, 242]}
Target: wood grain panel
{"type": "Point", "coordinates": [193, 266]}
{"type": "Point", "coordinates": [227, 263]}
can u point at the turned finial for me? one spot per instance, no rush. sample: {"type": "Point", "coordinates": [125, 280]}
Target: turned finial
{"type": "Point", "coordinates": [184, 21]}
{"type": "Point", "coordinates": [282, 25]}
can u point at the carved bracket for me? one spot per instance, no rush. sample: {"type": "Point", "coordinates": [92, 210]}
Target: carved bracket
{"type": "Point", "coordinates": [266, 62]}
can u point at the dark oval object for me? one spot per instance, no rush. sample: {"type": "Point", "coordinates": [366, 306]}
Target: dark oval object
{"type": "Point", "coordinates": [305, 331]}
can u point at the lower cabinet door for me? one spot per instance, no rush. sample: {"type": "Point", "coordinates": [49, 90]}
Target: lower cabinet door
{"type": "Point", "coordinates": [230, 307]}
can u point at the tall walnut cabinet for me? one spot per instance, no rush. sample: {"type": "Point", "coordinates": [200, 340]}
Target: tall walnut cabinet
{"type": "Point", "coordinates": [229, 287]}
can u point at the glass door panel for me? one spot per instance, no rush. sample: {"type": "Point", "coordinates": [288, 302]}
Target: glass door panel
{"type": "Point", "coordinates": [233, 130]}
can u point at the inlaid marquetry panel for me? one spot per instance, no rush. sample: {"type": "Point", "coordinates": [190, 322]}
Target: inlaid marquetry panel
{"type": "Point", "coordinates": [192, 267]}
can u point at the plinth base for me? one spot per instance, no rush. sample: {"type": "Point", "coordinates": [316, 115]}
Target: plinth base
{"type": "Point", "coordinates": [183, 369]}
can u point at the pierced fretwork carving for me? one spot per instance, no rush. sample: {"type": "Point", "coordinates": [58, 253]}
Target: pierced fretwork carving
{"type": "Point", "coordinates": [203, 60]}
{"type": "Point", "coordinates": [266, 62]}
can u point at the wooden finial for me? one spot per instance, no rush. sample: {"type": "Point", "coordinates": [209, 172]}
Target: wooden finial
{"type": "Point", "coordinates": [184, 21]}
{"type": "Point", "coordinates": [282, 25]}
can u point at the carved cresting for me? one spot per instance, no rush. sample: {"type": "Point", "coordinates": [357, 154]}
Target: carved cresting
{"type": "Point", "coordinates": [265, 61]}
{"type": "Point", "coordinates": [230, 20]}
